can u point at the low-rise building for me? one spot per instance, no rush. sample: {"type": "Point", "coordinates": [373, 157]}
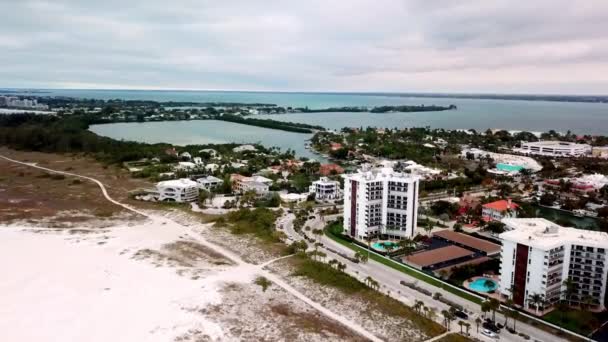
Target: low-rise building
{"type": "Point", "coordinates": [259, 184]}
{"type": "Point", "coordinates": [326, 189]}
{"type": "Point", "coordinates": [554, 148]}
{"type": "Point", "coordinates": [600, 152]}
{"type": "Point", "coordinates": [497, 210]}
{"type": "Point", "coordinates": [179, 190]}
{"type": "Point", "coordinates": [539, 256]}
{"type": "Point", "coordinates": [209, 183]}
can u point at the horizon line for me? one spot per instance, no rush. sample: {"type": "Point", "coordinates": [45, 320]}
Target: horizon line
{"type": "Point", "coordinates": [308, 91]}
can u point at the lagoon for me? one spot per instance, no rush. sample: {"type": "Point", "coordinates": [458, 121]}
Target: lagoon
{"type": "Point", "coordinates": [205, 132]}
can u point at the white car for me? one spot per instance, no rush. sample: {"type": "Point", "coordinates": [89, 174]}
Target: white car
{"type": "Point", "coordinates": [488, 333]}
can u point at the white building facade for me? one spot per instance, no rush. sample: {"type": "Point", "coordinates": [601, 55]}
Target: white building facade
{"type": "Point", "coordinates": [555, 148]}
{"type": "Point", "coordinates": [209, 183]}
{"type": "Point", "coordinates": [326, 189]}
{"type": "Point", "coordinates": [538, 257]}
{"type": "Point", "coordinates": [380, 202]}
{"type": "Point", "coordinates": [179, 190]}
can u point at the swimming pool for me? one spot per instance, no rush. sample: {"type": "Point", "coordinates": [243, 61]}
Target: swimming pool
{"type": "Point", "coordinates": [509, 167]}
{"type": "Point", "coordinates": [379, 246]}
{"type": "Point", "coordinates": [483, 285]}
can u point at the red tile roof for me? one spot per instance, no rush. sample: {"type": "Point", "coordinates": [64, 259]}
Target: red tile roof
{"type": "Point", "coordinates": [501, 205]}
{"type": "Point", "coordinates": [326, 169]}
{"type": "Point", "coordinates": [468, 241]}
{"type": "Point", "coordinates": [438, 255]}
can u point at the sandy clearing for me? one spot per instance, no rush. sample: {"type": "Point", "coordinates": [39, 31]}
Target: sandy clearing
{"type": "Point", "coordinates": [69, 291]}
{"type": "Point", "coordinates": [244, 272]}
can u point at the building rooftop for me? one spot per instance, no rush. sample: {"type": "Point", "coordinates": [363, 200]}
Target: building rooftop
{"type": "Point", "coordinates": [438, 255]}
{"type": "Point", "coordinates": [469, 241]}
{"type": "Point", "coordinates": [209, 179]}
{"type": "Point", "coordinates": [544, 234]}
{"type": "Point", "coordinates": [501, 205]}
{"type": "Point", "coordinates": [178, 183]}
{"type": "Point", "coordinates": [367, 173]}
{"type": "Point", "coordinates": [554, 143]}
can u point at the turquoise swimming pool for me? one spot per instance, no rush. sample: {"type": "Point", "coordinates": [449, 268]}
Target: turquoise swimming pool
{"type": "Point", "coordinates": [379, 246]}
{"type": "Point", "coordinates": [483, 285]}
{"type": "Point", "coordinates": [509, 167]}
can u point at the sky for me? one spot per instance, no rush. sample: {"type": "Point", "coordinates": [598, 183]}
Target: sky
{"type": "Point", "coordinates": [475, 46]}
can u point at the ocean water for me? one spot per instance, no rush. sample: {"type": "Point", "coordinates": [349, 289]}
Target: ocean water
{"type": "Point", "coordinates": [580, 118]}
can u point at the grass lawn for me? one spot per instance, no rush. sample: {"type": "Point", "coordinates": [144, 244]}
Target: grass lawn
{"type": "Point", "coordinates": [403, 268]}
{"type": "Point", "coordinates": [582, 322]}
{"type": "Point", "coordinates": [454, 338]}
{"type": "Point", "coordinates": [326, 275]}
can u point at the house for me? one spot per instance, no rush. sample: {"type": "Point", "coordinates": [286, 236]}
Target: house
{"type": "Point", "coordinates": [211, 152]}
{"type": "Point", "coordinates": [496, 211]}
{"type": "Point", "coordinates": [244, 148]}
{"type": "Point", "coordinates": [197, 160]}
{"type": "Point", "coordinates": [335, 146]}
{"type": "Point", "coordinates": [185, 166]}
{"type": "Point", "coordinates": [179, 190]}
{"type": "Point", "coordinates": [209, 182]}
{"type": "Point", "coordinates": [259, 184]}
{"type": "Point", "coordinates": [326, 189]}
{"type": "Point", "coordinates": [329, 169]}
{"type": "Point", "coordinates": [171, 152]}
{"type": "Point", "coordinates": [293, 198]}
{"type": "Point", "coordinates": [185, 155]}
{"type": "Point", "coordinates": [211, 167]}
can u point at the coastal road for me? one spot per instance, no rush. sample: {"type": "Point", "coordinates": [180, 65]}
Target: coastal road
{"type": "Point", "coordinates": [389, 280]}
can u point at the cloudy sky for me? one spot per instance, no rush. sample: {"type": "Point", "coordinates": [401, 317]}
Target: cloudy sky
{"type": "Point", "coordinates": [534, 46]}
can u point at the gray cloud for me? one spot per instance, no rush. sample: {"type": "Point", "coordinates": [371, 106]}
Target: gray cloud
{"type": "Point", "coordinates": [545, 46]}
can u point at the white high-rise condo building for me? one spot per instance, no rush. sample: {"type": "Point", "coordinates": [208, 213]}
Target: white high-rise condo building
{"type": "Point", "coordinates": [538, 257]}
{"type": "Point", "coordinates": [380, 201]}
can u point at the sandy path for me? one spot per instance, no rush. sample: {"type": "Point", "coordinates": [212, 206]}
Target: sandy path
{"type": "Point", "coordinates": [243, 269]}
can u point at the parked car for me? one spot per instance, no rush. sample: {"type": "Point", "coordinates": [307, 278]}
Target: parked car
{"type": "Point", "coordinates": [489, 325]}
{"type": "Point", "coordinates": [461, 314]}
{"type": "Point", "coordinates": [488, 333]}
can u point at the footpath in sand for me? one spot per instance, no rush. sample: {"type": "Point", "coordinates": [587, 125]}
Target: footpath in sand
{"type": "Point", "coordinates": [150, 279]}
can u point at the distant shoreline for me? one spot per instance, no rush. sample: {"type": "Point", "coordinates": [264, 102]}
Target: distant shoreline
{"type": "Point", "coordinates": [472, 96]}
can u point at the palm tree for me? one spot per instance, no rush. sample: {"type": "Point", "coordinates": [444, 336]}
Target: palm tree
{"type": "Point", "coordinates": [488, 284]}
{"type": "Point", "coordinates": [407, 245]}
{"type": "Point", "coordinates": [461, 323]}
{"type": "Point", "coordinates": [467, 325]}
{"type": "Point", "coordinates": [418, 304]}
{"type": "Point", "coordinates": [478, 322]}
{"type": "Point", "coordinates": [446, 318]}
{"type": "Point", "coordinates": [508, 304]}
{"type": "Point", "coordinates": [368, 281]}
{"type": "Point", "coordinates": [571, 288]}
{"type": "Point", "coordinates": [514, 315]}
{"type": "Point", "coordinates": [485, 308]}
{"type": "Point", "coordinates": [494, 305]}
{"type": "Point", "coordinates": [537, 300]}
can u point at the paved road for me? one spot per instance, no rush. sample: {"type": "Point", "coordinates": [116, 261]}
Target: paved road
{"type": "Point", "coordinates": [389, 279]}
